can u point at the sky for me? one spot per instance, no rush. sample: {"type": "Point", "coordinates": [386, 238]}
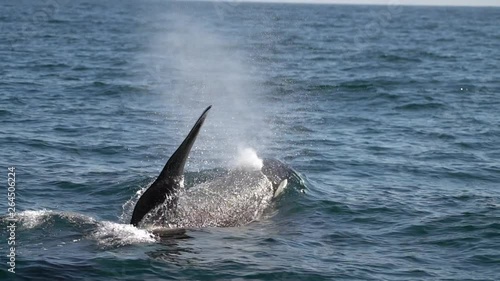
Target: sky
{"type": "Point", "coordinates": [393, 2]}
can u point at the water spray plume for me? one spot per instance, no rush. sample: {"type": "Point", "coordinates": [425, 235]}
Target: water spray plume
{"type": "Point", "coordinates": [200, 66]}
{"type": "Point", "coordinates": [248, 159]}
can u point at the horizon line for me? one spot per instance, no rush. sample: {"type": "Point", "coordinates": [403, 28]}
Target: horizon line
{"type": "Point", "coordinates": [322, 2]}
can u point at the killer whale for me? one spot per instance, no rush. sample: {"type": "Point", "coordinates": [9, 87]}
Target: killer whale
{"type": "Point", "coordinates": [166, 189]}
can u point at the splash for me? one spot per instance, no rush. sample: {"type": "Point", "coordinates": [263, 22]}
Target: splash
{"type": "Point", "coordinates": [32, 219]}
{"type": "Point", "coordinates": [106, 233]}
{"type": "Point", "coordinates": [111, 234]}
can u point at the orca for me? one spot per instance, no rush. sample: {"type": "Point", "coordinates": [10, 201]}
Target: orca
{"type": "Point", "coordinates": [258, 186]}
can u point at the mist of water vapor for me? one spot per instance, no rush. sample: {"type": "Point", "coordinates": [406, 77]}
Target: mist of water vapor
{"type": "Point", "coordinates": [198, 66]}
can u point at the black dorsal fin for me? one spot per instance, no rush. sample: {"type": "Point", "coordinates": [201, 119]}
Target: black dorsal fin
{"type": "Point", "coordinates": [175, 165]}
{"type": "Point", "coordinates": [169, 180]}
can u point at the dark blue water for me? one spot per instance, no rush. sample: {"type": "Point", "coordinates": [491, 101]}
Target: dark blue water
{"type": "Point", "coordinates": [389, 113]}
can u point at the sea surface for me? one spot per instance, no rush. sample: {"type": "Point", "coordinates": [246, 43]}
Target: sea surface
{"type": "Point", "coordinates": [390, 114]}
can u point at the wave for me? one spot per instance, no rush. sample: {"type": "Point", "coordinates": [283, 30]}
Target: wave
{"type": "Point", "coordinates": [4, 112]}
{"type": "Point", "coordinates": [399, 58]}
{"type": "Point", "coordinates": [32, 219]}
{"type": "Point", "coordinates": [105, 233]}
{"type": "Point", "coordinates": [420, 106]}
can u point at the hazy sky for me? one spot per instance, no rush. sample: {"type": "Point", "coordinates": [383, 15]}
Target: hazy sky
{"type": "Point", "coordinates": [402, 2]}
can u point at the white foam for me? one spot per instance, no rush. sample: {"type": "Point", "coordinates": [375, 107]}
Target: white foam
{"type": "Point", "coordinates": [106, 233]}
{"type": "Point", "coordinates": [116, 234]}
{"type": "Point", "coordinates": [32, 219]}
{"type": "Point", "coordinates": [248, 159]}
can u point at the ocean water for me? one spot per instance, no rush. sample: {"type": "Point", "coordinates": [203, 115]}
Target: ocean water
{"type": "Point", "coordinates": [390, 114]}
